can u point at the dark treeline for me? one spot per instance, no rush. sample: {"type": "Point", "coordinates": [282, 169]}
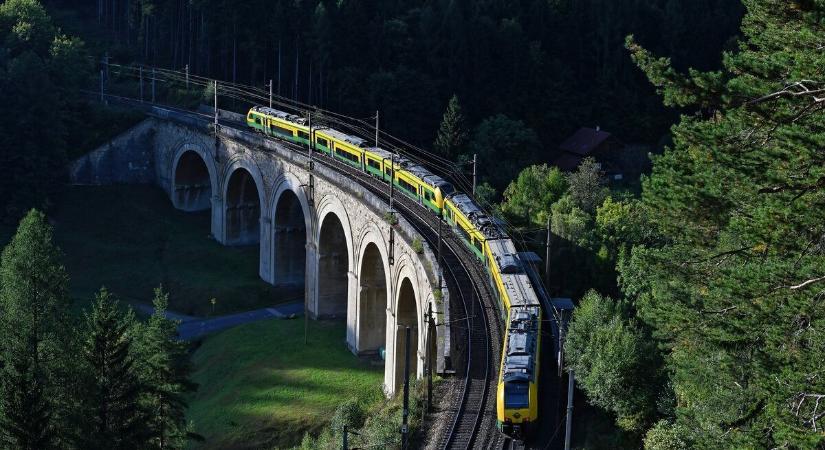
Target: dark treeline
{"type": "Point", "coordinates": [555, 64]}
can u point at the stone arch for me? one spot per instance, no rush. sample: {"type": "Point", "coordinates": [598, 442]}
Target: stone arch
{"type": "Point", "coordinates": [193, 178]}
{"type": "Point", "coordinates": [406, 315]}
{"type": "Point", "coordinates": [373, 293]}
{"type": "Point", "coordinates": [334, 260]}
{"type": "Point", "coordinates": [243, 203]}
{"type": "Point", "coordinates": [291, 230]}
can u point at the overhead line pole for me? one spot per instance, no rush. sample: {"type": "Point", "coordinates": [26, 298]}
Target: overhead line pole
{"type": "Point", "coordinates": [474, 173]}
{"type": "Point", "coordinates": [569, 422]}
{"type": "Point", "coordinates": [406, 410]}
{"type": "Point", "coordinates": [311, 201]}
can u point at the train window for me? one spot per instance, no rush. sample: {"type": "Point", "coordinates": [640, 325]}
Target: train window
{"type": "Point", "coordinates": [258, 120]}
{"type": "Point", "coordinates": [303, 135]}
{"type": "Point", "coordinates": [321, 141]}
{"type": "Point", "coordinates": [374, 164]}
{"type": "Point", "coordinates": [388, 171]}
{"type": "Point", "coordinates": [347, 155]}
{"type": "Point", "coordinates": [280, 130]}
{"type": "Point", "coordinates": [516, 395]}
{"type": "Point", "coordinates": [477, 244]}
{"type": "Point", "coordinates": [407, 186]}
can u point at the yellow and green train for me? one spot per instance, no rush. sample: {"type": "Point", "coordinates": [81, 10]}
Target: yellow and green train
{"type": "Point", "coordinates": [517, 393]}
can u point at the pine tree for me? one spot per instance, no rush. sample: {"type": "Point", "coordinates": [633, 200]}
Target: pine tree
{"type": "Point", "coordinates": [110, 413]}
{"type": "Point", "coordinates": [734, 293]}
{"type": "Point", "coordinates": [164, 369]}
{"type": "Point", "coordinates": [452, 133]}
{"type": "Point", "coordinates": [33, 348]}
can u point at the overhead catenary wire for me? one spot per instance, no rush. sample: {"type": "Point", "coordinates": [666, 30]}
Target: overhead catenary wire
{"type": "Point", "coordinates": [357, 126]}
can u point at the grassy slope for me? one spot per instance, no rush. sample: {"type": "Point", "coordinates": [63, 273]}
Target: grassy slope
{"type": "Point", "coordinates": [260, 386]}
{"type": "Point", "coordinates": [130, 239]}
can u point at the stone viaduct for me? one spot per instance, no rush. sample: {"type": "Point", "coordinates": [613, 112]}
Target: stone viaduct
{"type": "Point", "coordinates": [326, 232]}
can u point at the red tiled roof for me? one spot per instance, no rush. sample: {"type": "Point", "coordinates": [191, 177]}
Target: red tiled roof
{"type": "Point", "coordinates": [584, 141]}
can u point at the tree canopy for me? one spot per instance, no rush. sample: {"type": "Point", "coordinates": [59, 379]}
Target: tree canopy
{"type": "Point", "coordinates": [733, 290]}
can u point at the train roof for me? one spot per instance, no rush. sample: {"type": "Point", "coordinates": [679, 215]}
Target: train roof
{"type": "Point", "coordinates": [341, 136]}
{"type": "Point", "coordinates": [283, 115]}
{"type": "Point", "coordinates": [522, 343]}
{"type": "Point", "coordinates": [415, 169]}
{"type": "Point", "coordinates": [487, 225]}
{"type": "Point", "coordinates": [431, 179]}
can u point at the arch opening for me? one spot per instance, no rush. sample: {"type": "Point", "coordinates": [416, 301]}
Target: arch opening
{"type": "Point", "coordinates": [192, 189]}
{"type": "Point", "coordinates": [372, 308]}
{"type": "Point", "coordinates": [333, 266]}
{"type": "Point", "coordinates": [243, 209]}
{"type": "Point", "coordinates": [406, 316]}
{"type": "Point", "coordinates": [289, 241]}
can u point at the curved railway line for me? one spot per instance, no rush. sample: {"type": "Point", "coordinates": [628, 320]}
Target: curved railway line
{"type": "Point", "coordinates": [473, 420]}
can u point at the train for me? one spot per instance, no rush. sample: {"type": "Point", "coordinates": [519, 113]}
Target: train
{"type": "Point", "coordinates": [518, 383]}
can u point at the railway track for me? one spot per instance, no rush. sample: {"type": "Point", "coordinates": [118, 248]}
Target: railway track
{"type": "Point", "coordinates": [473, 422]}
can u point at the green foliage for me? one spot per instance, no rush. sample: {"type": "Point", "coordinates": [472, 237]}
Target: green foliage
{"type": "Point", "coordinates": [417, 246]}
{"type": "Point", "coordinates": [734, 291]}
{"type": "Point", "coordinates": [504, 146]}
{"type": "Point", "coordinates": [614, 363]}
{"type": "Point", "coordinates": [485, 194]}
{"type": "Point", "coordinates": [34, 346]}
{"type": "Point", "coordinates": [40, 70]}
{"type": "Point", "coordinates": [390, 218]}
{"type": "Point", "coordinates": [587, 185]}
{"type": "Point", "coordinates": [529, 197]}
{"type": "Point", "coordinates": [110, 415]}
{"type": "Point", "coordinates": [452, 133]}
{"type": "Point", "coordinates": [666, 436]}
{"type": "Point", "coordinates": [163, 363]}
{"type": "Point", "coordinates": [571, 223]}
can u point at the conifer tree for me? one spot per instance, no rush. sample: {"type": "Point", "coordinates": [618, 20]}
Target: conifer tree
{"type": "Point", "coordinates": [452, 133]}
{"type": "Point", "coordinates": [164, 369]}
{"type": "Point", "coordinates": [110, 414]}
{"type": "Point", "coordinates": [33, 344]}
{"type": "Point", "coordinates": [734, 293]}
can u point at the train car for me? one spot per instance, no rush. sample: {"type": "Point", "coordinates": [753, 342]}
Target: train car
{"type": "Point", "coordinates": [517, 393]}
{"type": "Point", "coordinates": [471, 223]}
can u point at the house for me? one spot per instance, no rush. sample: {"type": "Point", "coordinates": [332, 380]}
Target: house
{"type": "Point", "coordinates": [599, 144]}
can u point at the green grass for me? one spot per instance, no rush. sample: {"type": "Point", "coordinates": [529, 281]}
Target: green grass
{"type": "Point", "coordinates": [131, 239]}
{"type": "Point", "coordinates": [261, 387]}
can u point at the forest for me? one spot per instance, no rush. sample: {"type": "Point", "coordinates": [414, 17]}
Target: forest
{"type": "Point", "coordinates": [700, 320]}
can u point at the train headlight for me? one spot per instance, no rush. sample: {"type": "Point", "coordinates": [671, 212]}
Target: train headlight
{"type": "Point", "coordinates": [516, 415]}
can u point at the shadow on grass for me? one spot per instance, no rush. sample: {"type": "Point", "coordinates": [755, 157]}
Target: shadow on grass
{"type": "Point", "coordinates": [131, 239]}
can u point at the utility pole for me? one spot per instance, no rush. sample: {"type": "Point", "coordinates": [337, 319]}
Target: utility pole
{"type": "Point", "coordinates": [311, 201]}
{"type": "Point", "coordinates": [431, 326]}
{"type": "Point", "coordinates": [141, 83]}
{"type": "Point", "coordinates": [187, 77]}
{"type": "Point", "coordinates": [153, 85]}
{"type": "Point", "coordinates": [345, 444]}
{"type": "Point", "coordinates": [474, 173]}
{"type": "Point", "coordinates": [569, 425]}
{"type": "Point", "coordinates": [376, 128]}
{"type": "Point", "coordinates": [279, 67]}
{"type": "Point", "coordinates": [216, 108]}
{"type": "Point", "coordinates": [547, 254]}
{"type": "Point", "coordinates": [406, 410]}
{"type": "Point", "coordinates": [270, 92]}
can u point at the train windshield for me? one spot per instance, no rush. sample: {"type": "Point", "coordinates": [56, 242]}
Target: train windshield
{"type": "Point", "coordinates": [516, 394]}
